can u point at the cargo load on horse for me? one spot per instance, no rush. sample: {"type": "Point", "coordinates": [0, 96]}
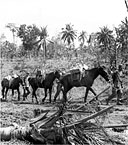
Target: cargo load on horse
{"type": "Point", "coordinates": [13, 82]}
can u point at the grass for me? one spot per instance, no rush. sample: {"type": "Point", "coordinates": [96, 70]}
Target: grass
{"type": "Point", "coordinates": [19, 113]}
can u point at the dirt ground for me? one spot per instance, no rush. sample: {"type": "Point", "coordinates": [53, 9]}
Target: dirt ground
{"type": "Point", "coordinates": [22, 112]}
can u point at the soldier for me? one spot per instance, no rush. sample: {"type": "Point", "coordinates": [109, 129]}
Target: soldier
{"type": "Point", "coordinates": [120, 69]}
{"type": "Point", "coordinates": [26, 84]}
{"type": "Point", "coordinates": [116, 88]}
{"type": "Point", "coordinates": [38, 73]}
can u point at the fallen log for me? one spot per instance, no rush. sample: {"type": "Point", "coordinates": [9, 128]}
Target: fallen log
{"type": "Point", "coordinates": [112, 126]}
{"type": "Point", "coordinates": [115, 125]}
{"type": "Point", "coordinates": [44, 130]}
{"type": "Point", "coordinates": [99, 94]}
{"type": "Point", "coordinates": [92, 99]}
{"type": "Point", "coordinates": [90, 117]}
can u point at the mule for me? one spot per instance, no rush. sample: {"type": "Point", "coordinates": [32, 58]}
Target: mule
{"type": "Point", "coordinates": [14, 85]}
{"type": "Point", "coordinates": [46, 83]}
{"type": "Point", "coordinates": [66, 82]}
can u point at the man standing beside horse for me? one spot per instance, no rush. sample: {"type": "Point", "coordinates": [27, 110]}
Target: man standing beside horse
{"type": "Point", "coordinates": [26, 86]}
{"type": "Point", "coordinates": [116, 86]}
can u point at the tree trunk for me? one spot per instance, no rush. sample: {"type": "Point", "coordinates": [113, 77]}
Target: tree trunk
{"type": "Point", "coordinates": [48, 128]}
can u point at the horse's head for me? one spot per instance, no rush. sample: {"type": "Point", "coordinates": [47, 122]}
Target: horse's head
{"type": "Point", "coordinates": [20, 80]}
{"type": "Point", "coordinates": [103, 73]}
{"type": "Point", "coordinates": [57, 74]}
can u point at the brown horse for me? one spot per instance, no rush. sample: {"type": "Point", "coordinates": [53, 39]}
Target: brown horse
{"type": "Point", "coordinates": [66, 82]}
{"type": "Point", "coordinates": [46, 83]}
{"type": "Point", "coordinates": [13, 86]}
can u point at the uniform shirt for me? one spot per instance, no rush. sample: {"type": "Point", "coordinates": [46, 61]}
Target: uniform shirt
{"type": "Point", "coordinates": [26, 81]}
{"type": "Point", "coordinates": [116, 79]}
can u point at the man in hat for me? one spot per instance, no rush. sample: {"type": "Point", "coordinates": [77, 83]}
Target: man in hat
{"type": "Point", "coordinates": [116, 87]}
{"type": "Point", "coordinates": [26, 84]}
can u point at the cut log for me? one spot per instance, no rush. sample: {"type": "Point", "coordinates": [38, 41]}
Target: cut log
{"type": "Point", "coordinates": [99, 94]}
{"type": "Point", "coordinates": [90, 117]}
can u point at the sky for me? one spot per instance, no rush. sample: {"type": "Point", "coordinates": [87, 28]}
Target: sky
{"type": "Point", "coordinates": [86, 15]}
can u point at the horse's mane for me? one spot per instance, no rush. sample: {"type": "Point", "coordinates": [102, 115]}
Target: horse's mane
{"type": "Point", "coordinates": [92, 69]}
{"type": "Point", "coordinates": [49, 73]}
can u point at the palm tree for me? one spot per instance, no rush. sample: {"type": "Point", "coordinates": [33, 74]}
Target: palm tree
{"type": "Point", "coordinates": [43, 42]}
{"type": "Point", "coordinates": [123, 37]}
{"type": "Point", "coordinates": [82, 37]}
{"type": "Point", "coordinates": [13, 29]}
{"type": "Point", "coordinates": [68, 34]}
{"type": "Point", "coordinates": [126, 3]}
{"type": "Point", "coordinates": [105, 39]}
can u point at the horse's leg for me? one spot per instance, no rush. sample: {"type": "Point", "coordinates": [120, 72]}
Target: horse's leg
{"type": "Point", "coordinates": [64, 95]}
{"type": "Point", "coordinates": [34, 95]}
{"type": "Point", "coordinates": [33, 92]}
{"type": "Point", "coordinates": [25, 95]}
{"type": "Point", "coordinates": [6, 92]}
{"type": "Point", "coordinates": [3, 90]}
{"type": "Point", "coordinates": [18, 94]}
{"type": "Point", "coordinates": [65, 91]}
{"type": "Point", "coordinates": [59, 86]}
{"type": "Point", "coordinates": [86, 94]}
{"type": "Point", "coordinates": [93, 92]}
{"type": "Point", "coordinates": [45, 91]}
{"type": "Point", "coordinates": [50, 94]}
{"type": "Point", "coordinates": [12, 93]}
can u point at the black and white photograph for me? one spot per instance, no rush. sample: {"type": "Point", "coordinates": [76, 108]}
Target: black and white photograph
{"type": "Point", "coordinates": [64, 72]}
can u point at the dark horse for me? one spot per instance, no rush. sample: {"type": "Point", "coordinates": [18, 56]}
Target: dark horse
{"type": "Point", "coordinates": [66, 83]}
{"type": "Point", "coordinates": [15, 84]}
{"type": "Point", "coordinates": [46, 83]}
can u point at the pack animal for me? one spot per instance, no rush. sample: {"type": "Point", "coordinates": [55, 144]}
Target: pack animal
{"type": "Point", "coordinates": [46, 83]}
{"type": "Point", "coordinates": [14, 85]}
{"type": "Point", "coordinates": [66, 82]}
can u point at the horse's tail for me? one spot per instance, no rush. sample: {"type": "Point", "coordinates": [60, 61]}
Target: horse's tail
{"type": "Point", "coordinates": [4, 82]}
{"type": "Point", "coordinates": [29, 79]}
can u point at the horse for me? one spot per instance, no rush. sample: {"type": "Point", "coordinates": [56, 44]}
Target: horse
{"type": "Point", "coordinates": [46, 83]}
{"type": "Point", "coordinates": [14, 85]}
{"type": "Point", "coordinates": [66, 82]}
